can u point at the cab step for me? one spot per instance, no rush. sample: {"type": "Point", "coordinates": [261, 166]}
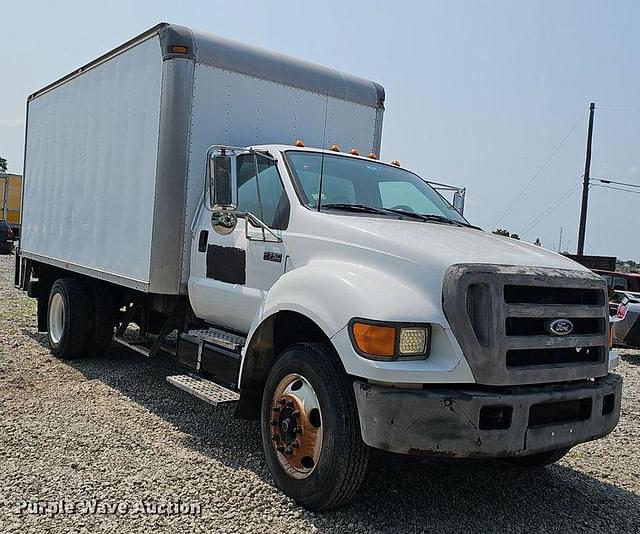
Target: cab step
{"type": "Point", "coordinates": [204, 389]}
{"type": "Point", "coordinates": [220, 338]}
{"type": "Point", "coordinates": [144, 345]}
{"type": "Point", "coordinates": [140, 344]}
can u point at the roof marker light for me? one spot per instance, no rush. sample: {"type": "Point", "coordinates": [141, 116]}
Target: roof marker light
{"type": "Point", "coordinates": [395, 162]}
{"type": "Point", "coordinates": [372, 155]}
{"type": "Point", "coordinates": [298, 143]}
{"type": "Point", "coordinates": [355, 152]}
{"type": "Point", "coordinates": [335, 148]}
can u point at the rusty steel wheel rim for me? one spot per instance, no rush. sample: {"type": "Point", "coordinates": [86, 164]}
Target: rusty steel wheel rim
{"type": "Point", "coordinates": [296, 426]}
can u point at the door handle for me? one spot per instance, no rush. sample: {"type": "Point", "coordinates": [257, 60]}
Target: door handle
{"type": "Point", "coordinates": [202, 240]}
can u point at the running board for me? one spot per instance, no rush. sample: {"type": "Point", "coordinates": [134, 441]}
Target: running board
{"type": "Point", "coordinates": [220, 338]}
{"type": "Point", "coordinates": [205, 390]}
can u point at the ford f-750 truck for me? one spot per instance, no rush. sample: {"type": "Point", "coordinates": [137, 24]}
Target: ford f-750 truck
{"type": "Point", "coordinates": [232, 200]}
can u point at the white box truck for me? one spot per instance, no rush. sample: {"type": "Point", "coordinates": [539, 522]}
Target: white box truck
{"type": "Point", "coordinates": [233, 198]}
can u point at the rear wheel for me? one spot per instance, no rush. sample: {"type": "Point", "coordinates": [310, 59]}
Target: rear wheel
{"type": "Point", "coordinates": [67, 318]}
{"type": "Point", "coordinates": [541, 459]}
{"type": "Point", "coordinates": [310, 428]}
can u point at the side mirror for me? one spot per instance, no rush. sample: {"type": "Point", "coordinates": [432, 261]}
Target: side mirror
{"type": "Point", "coordinates": [223, 182]}
{"type": "Point", "coordinates": [458, 201]}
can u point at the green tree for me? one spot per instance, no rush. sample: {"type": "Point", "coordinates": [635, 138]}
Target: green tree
{"type": "Point", "coordinates": [506, 233]}
{"type": "Point", "coordinates": [3, 164]}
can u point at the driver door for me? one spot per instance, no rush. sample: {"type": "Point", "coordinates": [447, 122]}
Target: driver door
{"type": "Point", "coordinates": [232, 270]}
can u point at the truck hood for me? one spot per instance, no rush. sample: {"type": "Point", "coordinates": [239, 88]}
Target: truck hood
{"type": "Point", "coordinates": [436, 244]}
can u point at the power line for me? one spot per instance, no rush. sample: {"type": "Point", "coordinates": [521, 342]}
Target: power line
{"type": "Point", "coordinates": [619, 110]}
{"type": "Point", "coordinates": [607, 181]}
{"type": "Point", "coordinates": [617, 188]}
{"type": "Point", "coordinates": [537, 173]}
{"type": "Point", "coordinates": [568, 194]}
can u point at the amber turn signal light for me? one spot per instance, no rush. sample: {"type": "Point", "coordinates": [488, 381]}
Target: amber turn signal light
{"type": "Point", "coordinates": [180, 49]}
{"type": "Point", "coordinates": [375, 340]}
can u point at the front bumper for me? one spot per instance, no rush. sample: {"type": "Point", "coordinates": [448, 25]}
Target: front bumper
{"type": "Point", "coordinates": [498, 422]}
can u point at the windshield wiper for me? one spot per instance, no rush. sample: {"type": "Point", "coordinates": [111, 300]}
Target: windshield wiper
{"type": "Point", "coordinates": [420, 216]}
{"type": "Point", "coordinates": [432, 217]}
{"type": "Point", "coordinates": [361, 208]}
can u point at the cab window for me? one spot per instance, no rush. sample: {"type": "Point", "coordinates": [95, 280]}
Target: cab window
{"type": "Point", "coordinates": [262, 195]}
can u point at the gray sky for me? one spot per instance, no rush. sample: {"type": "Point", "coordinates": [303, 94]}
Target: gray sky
{"type": "Point", "coordinates": [479, 93]}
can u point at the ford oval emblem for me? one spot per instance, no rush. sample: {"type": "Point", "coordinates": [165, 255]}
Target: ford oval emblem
{"type": "Point", "coordinates": [559, 327]}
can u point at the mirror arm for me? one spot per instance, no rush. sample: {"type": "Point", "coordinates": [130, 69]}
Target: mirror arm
{"type": "Point", "coordinates": [249, 217]}
{"type": "Point", "coordinates": [255, 166]}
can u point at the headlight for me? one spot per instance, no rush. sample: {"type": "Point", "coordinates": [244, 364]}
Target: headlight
{"type": "Point", "coordinates": [412, 341]}
{"type": "Point", "coordinates": [389, 341]}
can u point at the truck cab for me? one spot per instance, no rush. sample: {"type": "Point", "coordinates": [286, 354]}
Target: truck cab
{"type": "Point", "coordinates": [455, 342]}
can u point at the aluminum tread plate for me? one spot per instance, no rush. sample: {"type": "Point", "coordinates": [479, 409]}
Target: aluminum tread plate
{"type": "Point", "coordinates": [219, 337]}
{"type": "Point", "coordinates": [203, 389]}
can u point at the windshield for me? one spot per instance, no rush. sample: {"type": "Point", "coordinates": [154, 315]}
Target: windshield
{"type": "Point", "coordinates": [366, 184]}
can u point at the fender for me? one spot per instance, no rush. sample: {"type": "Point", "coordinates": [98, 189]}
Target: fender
{"type": "Point", "coordinates": [331, 292]}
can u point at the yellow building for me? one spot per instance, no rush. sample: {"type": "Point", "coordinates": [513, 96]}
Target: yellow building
{"type": "Point", "coordinates": [11, 197]}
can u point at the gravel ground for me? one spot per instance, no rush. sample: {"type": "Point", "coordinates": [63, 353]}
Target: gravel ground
{"type": "Point", "coordinates": [112, 430]}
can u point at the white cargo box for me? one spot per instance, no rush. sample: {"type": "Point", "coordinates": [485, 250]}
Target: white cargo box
{"type": "Point", "coordinates": [115, 151]}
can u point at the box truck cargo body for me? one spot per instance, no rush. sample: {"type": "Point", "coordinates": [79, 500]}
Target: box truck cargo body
{"type": "Point", "coordinates": [11, 187]}
{"type": "Point", "coordinates": [229, 204]}
{"type": "Point", "coordinates": [115, 152]}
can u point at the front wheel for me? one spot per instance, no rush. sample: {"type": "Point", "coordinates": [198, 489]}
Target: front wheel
{"type": "Point", "coordinates": [310, 428]}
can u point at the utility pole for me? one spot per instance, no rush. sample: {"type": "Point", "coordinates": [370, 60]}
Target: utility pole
{"type": "Point", "coordinates": [585, 183]}
{"type": "Point", "coordinates": [560, 241]}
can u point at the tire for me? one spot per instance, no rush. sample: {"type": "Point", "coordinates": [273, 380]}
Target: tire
{"type": "Point", "coordinates": [341, 457]}
{"type": "Point", "coordinates": [541, 459]}
{"type": "Point", "coordinates": [102, 319]}
{"type": "Point", "coordinates": [67, 318]}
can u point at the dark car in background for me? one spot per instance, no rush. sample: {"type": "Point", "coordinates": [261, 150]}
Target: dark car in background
{"type": "Point", "coordinates": [6, 237]}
